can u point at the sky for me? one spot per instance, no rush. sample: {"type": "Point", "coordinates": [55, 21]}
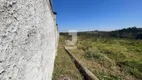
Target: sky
{"type": "Point", "coordinates": [104, 15]}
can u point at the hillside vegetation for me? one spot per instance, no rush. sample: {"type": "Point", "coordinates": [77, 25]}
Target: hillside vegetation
{"type": "Point", "coordinates": [132, 32]}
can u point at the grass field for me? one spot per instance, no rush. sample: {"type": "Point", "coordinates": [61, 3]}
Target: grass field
{"type": "Point", "coordinates": [107, 58]}
{"type": "Point", "coordinates": [64, 67]}
{"type": "Point", "coordinates": [111, 58]}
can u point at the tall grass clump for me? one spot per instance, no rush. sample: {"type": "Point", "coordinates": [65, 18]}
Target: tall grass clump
{"type": "Point", "coordinates": [98, 57]}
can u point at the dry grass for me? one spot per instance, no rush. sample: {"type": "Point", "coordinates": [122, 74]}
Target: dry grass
{"type": "Point", "coordinates": [110, 58]}
{"type": "Point", "coordinates": [64, 67]}
{"type": "Point", "coordinates": [107, 58]}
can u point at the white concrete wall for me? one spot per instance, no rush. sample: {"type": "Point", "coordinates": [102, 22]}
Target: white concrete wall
{"type": "Point", "coordinates": [28, 40]}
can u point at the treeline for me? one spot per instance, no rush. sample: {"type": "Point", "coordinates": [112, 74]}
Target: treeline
{"type": "Point", "coordinates": [131, 32]}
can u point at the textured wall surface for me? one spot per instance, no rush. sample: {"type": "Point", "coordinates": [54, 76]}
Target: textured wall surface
{"type": "Point", "coordinates": [28, 40]}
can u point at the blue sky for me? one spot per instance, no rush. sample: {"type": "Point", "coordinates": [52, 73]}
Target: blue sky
{"type": "Point", "coordinates": [106, 15]}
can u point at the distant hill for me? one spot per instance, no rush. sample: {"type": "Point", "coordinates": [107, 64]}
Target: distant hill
{"type": "Point", "coordinates": [131, 32]}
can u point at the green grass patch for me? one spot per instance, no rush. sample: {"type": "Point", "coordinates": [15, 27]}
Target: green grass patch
{"type": "Point", "coordinates": [124, 54]}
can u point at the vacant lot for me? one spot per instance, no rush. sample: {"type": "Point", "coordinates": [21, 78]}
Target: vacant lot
{"type": "Point", "coordinates": [111, 58]}
{"type": "Point", "coordinates": [107, 58]}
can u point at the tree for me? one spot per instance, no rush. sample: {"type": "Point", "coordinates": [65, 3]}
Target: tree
{"type": "Point", "coordinates": [139, 36]}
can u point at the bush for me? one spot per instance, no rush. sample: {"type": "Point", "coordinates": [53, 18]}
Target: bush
{"type": "Point", "coordinates": [139, 36]}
